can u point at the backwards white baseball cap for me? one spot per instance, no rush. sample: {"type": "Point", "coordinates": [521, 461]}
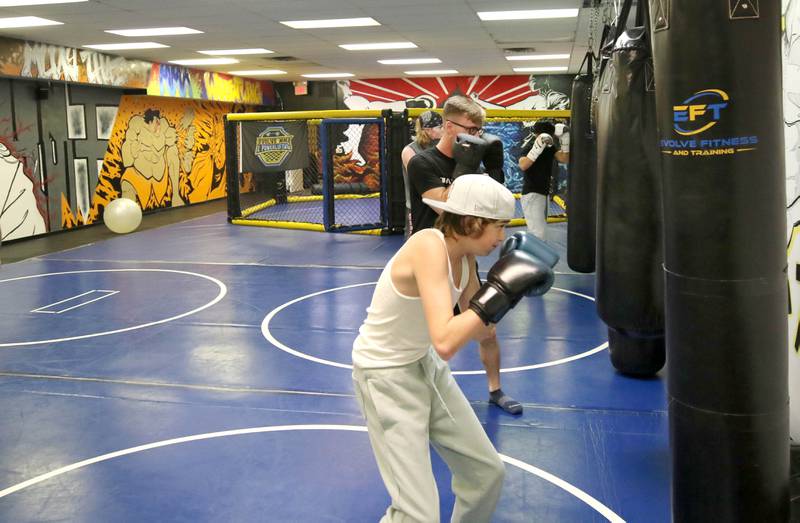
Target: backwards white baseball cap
{"type": "Point", "coordinates": [477, 195]}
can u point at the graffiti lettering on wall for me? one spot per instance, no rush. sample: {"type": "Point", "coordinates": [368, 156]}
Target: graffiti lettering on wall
{"type": "Point", "coordinates": [180, 82]}
{"type": "Point", "coordinates": [164, 153]}
{"type": "Point", "coordinates": [53, 62]}
{"type": "Point", "coordinates": [491, 92]}
{"type": "Point", "coordinates": [22, 207]}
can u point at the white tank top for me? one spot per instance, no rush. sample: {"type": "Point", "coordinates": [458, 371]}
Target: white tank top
{"type": "Point", "coordinates": [395, 332]}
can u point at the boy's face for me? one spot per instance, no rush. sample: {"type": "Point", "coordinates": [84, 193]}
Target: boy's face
{"type": "Point", "coordinates": [493, 235]}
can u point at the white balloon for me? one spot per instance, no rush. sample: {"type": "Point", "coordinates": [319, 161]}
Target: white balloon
{"type": "Point", "coordinates": [122, 215]}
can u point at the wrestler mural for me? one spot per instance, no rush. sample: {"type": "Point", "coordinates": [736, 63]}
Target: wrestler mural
{"type": "Point", "coordinates": [150, 161]}
{"type": "Point", "coordinates": [164, 153]}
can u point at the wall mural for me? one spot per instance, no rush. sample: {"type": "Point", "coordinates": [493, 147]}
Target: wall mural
{"type": "Point", "coordinates": [492, 92]}
{"type": "Point", "coordinates": [549, 92]}
{"type": "Point", "coordinates": [180, 82]}
{"type": "Point", "coordinates": [362, 164]}
{"type": "Point", "coordinates": [22, 206]}
{"type": "Point", "coordinates": [27, 59]}
{"type": "Point", "coordinates": [164, 153]}
{"type": "Point", "coordinates": [54, 62]}
{"type": "Point", "coordinates": [791, 116]}
{"type": "Point", "coordinates": [86, 150]}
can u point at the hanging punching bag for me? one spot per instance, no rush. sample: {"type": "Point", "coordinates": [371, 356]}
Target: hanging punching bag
{"type": "Point", "coordinates": [582, 181]}
{"type": "Point", "coordinates": [721, 144]}
{"type": "Point", "coordinates": [606, 46]}
{"type": "Point", "coordinates": [630, 281]}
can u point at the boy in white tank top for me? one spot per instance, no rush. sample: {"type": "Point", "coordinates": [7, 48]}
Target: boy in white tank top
{"type": "Point", "coordinates": [403, 385]}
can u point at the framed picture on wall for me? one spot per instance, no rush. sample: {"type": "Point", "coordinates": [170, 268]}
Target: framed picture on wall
{"type": "Point", "coordinates": [81, 170]}
{"type": "Point", "coordinates": [76, 122]}
{"type": "Point", "coordinates": [99, 167]}
{"type": "Point", "coordinates": [105, 116]}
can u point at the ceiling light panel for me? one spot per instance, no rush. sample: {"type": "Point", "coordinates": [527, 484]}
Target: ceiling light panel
{"type": "Point", "coordinates": [26, 21]}
{"type": "Point", "coordinates": [529, 57]}
{"type": "Point", "coordinates": [433, 72]}
{"type": "Point", "coordinates": [410, 61]}
{"type": "Point", "coordinates": [205, 61]}
{"type": "Point", "coordinates": [258, 72]}
{"type": "Point", "coordinates": [154, 31]}
{"type": "Point", "coordinates": [554, 69]}
{"type": "Point", "coordinates": [126, 46]}
{"type": "Point", "coordinates": [235, 52]}
{"type": "Point", "coordinates": [379, 46]}
{"type": "Point", "coordinates": [336, 22]}
{"type": "Point", "coordinates": [534, 14]}
{"type": "Point", "coordinates": [18, 3]}
{"type": "Point", "coordinates": [328, 75]}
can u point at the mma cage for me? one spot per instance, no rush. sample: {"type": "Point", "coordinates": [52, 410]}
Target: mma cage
{"type": "Point", "coordinates": [341, 171]}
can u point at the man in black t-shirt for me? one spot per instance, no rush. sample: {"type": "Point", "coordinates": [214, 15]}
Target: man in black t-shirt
{"type": "Point", "coordinates": [430, 174]}
{"type": "Point", "coordinates": [539, 153]}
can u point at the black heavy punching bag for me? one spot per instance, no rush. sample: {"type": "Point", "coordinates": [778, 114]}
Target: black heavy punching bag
{"type": "Point", "coordinates": [718, 71]}
{"type": "Point", "coordinates": [630, 281]}
{"type": "Point", "coordinates": [605, 54]}
{"type": "Point", "coordinates": [582, 182]}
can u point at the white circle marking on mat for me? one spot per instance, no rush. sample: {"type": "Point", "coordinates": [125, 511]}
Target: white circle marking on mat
{"type": "Point", "coordinates": [268, 335]}
{"type": "Point", "coordinates": [223, 290]}
{"type": "Point", "coordinates": [606, 512]}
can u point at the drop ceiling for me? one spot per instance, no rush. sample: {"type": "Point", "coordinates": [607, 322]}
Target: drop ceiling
{"type": "Point", "coordinates": [446, 29]}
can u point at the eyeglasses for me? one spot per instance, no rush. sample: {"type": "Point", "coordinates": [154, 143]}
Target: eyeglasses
{"type": "Point", "coordinates": [474, 131]}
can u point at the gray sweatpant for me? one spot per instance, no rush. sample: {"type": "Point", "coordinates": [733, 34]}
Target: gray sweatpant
{"type": "Point", "coordinates": [409, 407]}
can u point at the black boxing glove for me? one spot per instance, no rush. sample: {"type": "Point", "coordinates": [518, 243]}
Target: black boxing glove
{"type": "Point", "coordinates": [468, 152]}
{"type": "Point", "coordinates": [493, 157]}
{"type": "Point", "coordinates": [513, 276]}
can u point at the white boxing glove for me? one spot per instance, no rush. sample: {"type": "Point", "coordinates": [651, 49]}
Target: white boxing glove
{"type": "Point", "coordinates": [542, 141]}
{"type": "Point", "coordinates": [565, 142]}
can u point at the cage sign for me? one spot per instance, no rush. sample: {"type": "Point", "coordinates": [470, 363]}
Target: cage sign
{"type": "Point", "coordinates": [278, 146]}
{"type": "Point", "coordinates": [273, 145]}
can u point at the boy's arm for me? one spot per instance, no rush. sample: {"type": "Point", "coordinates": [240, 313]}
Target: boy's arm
{"type": "Point", "coordinates": [448, 333]}
{"type": "Point", "coordinates": [473, 284]}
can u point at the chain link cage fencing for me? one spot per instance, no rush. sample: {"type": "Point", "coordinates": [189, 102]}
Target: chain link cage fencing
{"type": "Point", "coordinates": [340, 171]}
{"type": "Point", "coordinates": [293, 170]}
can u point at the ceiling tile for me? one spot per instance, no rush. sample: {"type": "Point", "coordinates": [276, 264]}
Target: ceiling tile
{"type": "Point", "coordinates": [446, 29]}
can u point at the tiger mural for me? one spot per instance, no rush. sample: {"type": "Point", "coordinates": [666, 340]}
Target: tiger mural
{"type": "Point", "coordinates": [164, 152]}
